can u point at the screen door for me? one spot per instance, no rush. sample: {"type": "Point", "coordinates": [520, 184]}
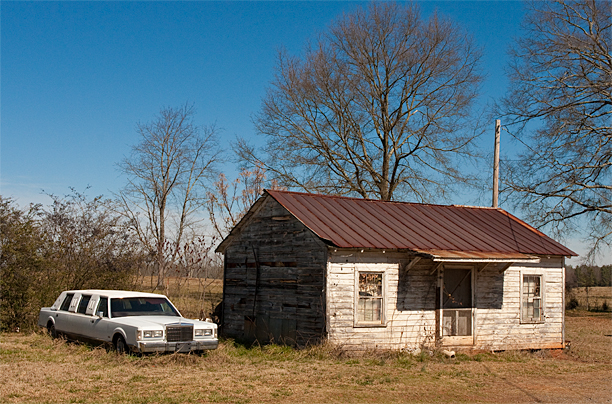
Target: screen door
{"type": "Point", "coordinates": [457, 302]}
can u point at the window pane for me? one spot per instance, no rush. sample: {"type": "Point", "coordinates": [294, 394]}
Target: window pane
{"type": "Point", "coordinates": [536, 309]}
{"type": "Point", "coordinates": [370, 310]}
{"type": "Point", "coordinates": [370, 301]}
{"type": "Point", "coordinates": [457, 290]}
{"type": "Point", "coordinates": [141, 307]}
{"type": "Point", "coordinates": [370, 284]}
{"type": "Point", "coordinates": [532, 309]}
{"type": "Point", "coordinates": [66, 303]}
{"type": "Point", "coordinates": [83, 304]}
{"type": "Point", "coordinates": [457, 322]}
{"type": "Point", "coordinates": [103, 307]}
{"type": "Point", "coordinates": [536, 286]}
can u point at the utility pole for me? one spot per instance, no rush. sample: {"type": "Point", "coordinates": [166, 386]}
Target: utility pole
{"type": "Point", "coordinates": [496, 163]}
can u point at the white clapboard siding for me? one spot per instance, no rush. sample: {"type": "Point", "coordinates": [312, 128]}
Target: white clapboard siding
{"type": "Point", "coordinates": [410, 304]}
{"type": "Point", "coordinates": [404, 329]}
{"type": "Point", "coordinates": [502, 328]}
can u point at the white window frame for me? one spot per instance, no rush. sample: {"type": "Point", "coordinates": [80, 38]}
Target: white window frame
{"type": "Point", "coordinates": [542, 297]}
{"type": "Point", "coordinates": [383, 314]}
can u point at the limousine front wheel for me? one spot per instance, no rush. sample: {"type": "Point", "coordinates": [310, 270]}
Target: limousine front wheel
{"type": "Point", "coordinates": [51, 329]}
{"type": "Point", "coordinates": [120, 345]}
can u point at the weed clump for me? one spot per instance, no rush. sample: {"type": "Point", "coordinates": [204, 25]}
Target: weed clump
{"type": "Point", "coordinates": [571, 304]}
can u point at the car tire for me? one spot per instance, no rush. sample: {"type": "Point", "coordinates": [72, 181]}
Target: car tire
{"type": "Point", "coordinates": [51, 329]}
{"type": "Point", "coordinates": [120, 345]}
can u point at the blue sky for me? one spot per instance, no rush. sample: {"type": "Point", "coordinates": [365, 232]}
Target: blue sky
{"type": "Point", "coordinates": [76, 77]}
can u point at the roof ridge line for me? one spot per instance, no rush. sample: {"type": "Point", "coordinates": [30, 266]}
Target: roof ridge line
{"type": "Point", "coordinates": [378, 200]}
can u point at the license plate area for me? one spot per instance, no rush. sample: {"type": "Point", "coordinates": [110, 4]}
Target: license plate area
{"type": "Point", "coordinates": [182, 347]}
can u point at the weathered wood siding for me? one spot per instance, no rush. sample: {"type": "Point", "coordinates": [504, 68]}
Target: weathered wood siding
{"type": "Point", "coordinates": [498, 322]}
{"type": "Point", "coordinates": [410, 304]}
{"type": "Point", "coordinates": [274, 280]}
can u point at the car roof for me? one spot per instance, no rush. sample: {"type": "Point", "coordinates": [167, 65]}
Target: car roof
{"type": "Point", "coordinates": [116, 294]}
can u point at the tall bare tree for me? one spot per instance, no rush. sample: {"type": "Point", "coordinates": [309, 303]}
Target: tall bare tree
{"type": "Point", "coordinates": [167, 174]}
{"type": "Point", "coordinates": [560, 106]}
{"type": "Point", "coordinates": [228, 202]}
{"type": "Point", "coordinates": [378, 106]}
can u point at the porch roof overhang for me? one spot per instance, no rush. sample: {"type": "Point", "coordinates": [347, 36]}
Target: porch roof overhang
{"type": "Point", "coordinates": [477, 256]}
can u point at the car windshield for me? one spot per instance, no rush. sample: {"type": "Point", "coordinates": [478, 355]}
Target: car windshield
{"type": "Point", "coordinates": [142, 306]}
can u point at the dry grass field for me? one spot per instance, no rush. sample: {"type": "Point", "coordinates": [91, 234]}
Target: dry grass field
{"type": "Point", "coordinates": [36, 369]}
{"type": "Point", "coordinates": [597, 296]}
{"type": "Point", "coordinates": [194, 297]}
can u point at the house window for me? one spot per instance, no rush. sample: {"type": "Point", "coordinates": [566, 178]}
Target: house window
{"type": "Point", "coordinates": [370, 301]}
{"type": "Point", "coordinates": [532, 299]}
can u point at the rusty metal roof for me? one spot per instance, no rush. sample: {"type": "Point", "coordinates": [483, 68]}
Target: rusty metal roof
{"type": "Point", "coordinates": [436, 230]}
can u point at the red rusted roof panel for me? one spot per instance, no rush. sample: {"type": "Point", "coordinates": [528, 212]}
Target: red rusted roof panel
{"type": "Point", "coordinates": [363, 223]}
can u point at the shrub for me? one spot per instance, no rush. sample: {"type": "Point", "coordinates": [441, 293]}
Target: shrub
{"type": "Point", "coordinates": [571, 304]}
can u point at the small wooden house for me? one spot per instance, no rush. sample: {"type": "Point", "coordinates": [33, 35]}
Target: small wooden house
{"type": "Point", "coordinates": [366, 274]}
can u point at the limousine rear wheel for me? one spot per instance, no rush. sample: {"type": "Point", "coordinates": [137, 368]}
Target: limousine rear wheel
{"type": "Point", "coordinates": [120, 345]}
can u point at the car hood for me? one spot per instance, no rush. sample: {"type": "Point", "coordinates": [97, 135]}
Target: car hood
{"type": "Point", "coordinates": [152, 321]}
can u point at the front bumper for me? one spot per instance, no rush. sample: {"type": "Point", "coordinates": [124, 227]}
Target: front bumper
{"type": "Point", "coordinates": [186, 346]}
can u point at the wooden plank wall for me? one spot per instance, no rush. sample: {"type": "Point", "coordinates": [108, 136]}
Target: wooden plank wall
{"type": "Point", "coordinates": [409, 301]}
{"type": "Point", "coordinates": [410, 304]}
{"type": "Point", "coordinates": [279, 257]}
{"type": "Point", "coordinates": [500, 328]}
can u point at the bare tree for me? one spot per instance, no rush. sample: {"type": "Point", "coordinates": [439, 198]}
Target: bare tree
{"type": "Point", "coordinates": [560, 107]}
{"type": "Point", "coordinates": [229, 201]}
{"type": "Point", "coordinates": [167, 173]}
{"type": "Point", "coordinates": [378, 106]}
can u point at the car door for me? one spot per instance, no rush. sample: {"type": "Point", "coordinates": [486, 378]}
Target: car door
{"type": "Point", "coordinates": [100, 322]}
{"type": "Point", "coordinates": [62, 315]}
{"type": "Point", "coordinates": [79, 322]}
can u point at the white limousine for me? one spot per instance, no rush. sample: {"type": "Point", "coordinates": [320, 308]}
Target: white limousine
{"type": "Point", "coordinates": [130, 321]}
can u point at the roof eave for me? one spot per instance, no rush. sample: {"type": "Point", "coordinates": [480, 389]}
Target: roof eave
{"type": "Point", "coordinates": [243, 222]}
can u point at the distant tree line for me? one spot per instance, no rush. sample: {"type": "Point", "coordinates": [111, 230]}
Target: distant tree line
{"type": "Point", "coordinates": [588, 276]}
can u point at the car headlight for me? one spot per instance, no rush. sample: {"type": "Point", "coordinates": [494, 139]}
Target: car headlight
{"type": "Point", "coordinates": [150, 334]}
{"type": "Point", "coordinates": [204, 332]}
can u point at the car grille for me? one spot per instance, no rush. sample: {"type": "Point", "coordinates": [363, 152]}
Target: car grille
{"type": "Point", "coordinates": [178, 333]}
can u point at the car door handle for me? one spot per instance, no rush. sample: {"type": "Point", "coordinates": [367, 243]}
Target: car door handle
{"type": "Point", "coordinates": [92, 321]}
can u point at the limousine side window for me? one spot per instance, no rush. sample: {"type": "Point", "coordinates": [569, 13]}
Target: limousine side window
{"type": "Point", "coordinates": [83, 304]}
{"type": "Point", "coordinates": [103, 306]}
{"type": "Point", "coordinates": [66, 303]}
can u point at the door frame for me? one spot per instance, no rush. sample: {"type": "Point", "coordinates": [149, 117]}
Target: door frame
{"type": "Point", "coordinates": [467, 340]}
